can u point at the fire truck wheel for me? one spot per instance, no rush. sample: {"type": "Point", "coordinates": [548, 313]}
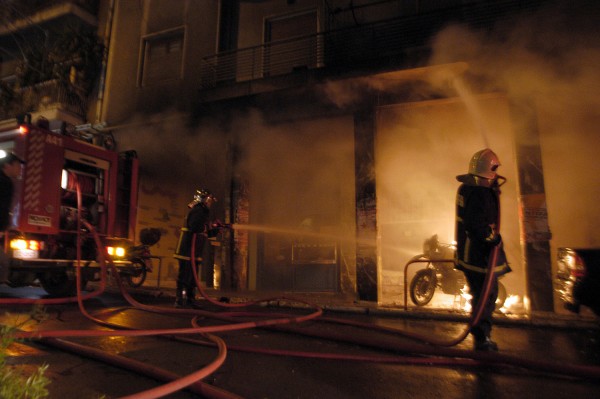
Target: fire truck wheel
{"type": "Point", "coordinates": [59, 284]}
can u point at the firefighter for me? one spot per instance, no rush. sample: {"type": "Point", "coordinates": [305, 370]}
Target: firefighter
{"type": "Point", "coordinates": [10, 169]}
{"type": "Point", "coordinates": [196, 222]}
{"type": "Point", "coordinates": [477, 235]}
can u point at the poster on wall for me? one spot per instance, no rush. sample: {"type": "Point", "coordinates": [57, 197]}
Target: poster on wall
{"type": "Point", "coordinates": [535, 218]}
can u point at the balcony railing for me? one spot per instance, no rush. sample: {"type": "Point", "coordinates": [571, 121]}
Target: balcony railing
{"type": "Point", "coordinates": [24, 9]}
{"type": "Point", "coordinates": [45, 96]}
{"type": "Point", "coordinates": [392, 42]}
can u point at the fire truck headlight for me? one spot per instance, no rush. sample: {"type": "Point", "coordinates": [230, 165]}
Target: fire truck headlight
{"type": "Point", "coordinates": [21, 243]}
{"type": "Point", "coordinates": [18, 244]}
{"type": "Point", "coordinates": [25, 249]}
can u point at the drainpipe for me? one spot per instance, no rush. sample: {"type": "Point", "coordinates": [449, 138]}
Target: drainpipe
{"type": "Point", "coordinates": [102, 85]}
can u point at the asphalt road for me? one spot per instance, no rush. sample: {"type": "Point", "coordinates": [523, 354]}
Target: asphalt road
{"type": "Point", "coordinates": [311, 359]}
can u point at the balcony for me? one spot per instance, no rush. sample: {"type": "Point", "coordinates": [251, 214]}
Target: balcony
{"type": "Point", "coordinates": [25, 13]}
{"type": "Point", "coordinates": [48, 97]}
{"type": "Point", "coordinates": [392, 44]}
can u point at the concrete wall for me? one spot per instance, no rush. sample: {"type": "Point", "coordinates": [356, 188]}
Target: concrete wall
{"type": "Point", "coordinates": [132, 21]}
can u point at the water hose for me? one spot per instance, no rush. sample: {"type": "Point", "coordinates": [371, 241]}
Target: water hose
{"type": "Point", "coordinates": [284, 323]}
{"type": "Point", "coordinates": [198, 387]}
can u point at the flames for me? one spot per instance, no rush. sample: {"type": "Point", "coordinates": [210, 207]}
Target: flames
{"type": "Point", "coordinates": [462, 302]}
{"type": "Point", "coordinates": [512, 305]}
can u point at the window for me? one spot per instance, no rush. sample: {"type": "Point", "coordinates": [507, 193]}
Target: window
{"type": "Point", "coordinates": [291, 43]}
{"type": "Point", "coordinates": [162, 57]}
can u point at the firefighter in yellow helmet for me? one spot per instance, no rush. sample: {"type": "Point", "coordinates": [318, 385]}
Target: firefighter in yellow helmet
{"type": "Point", "coordinates": [476, 235]}
{"type": "Point", "coordinates": [196, 222]}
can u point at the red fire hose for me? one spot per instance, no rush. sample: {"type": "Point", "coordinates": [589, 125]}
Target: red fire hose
{"type": "Point", "coordinates": [281, 322]}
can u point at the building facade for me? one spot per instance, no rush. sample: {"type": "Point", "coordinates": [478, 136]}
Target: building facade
{"type": "Point", "coordinates": [332, 131]}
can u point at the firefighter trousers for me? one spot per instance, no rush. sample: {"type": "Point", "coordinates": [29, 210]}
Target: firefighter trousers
{"type": "Point", "coordinates": [476, 282]}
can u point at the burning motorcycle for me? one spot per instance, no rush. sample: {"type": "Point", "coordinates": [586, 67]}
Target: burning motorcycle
{"type": "Point", "coordinates": [441, 274]}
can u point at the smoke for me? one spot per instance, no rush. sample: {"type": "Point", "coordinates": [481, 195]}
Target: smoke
{"type": "Point", "coordinates": [548, 58]}
{"type": "Point", "coordinates": [302, 172]}
{"type": "Point", "coordinates": [297, 173]}
{"type": "Point", "coordinates": [348, 93]}
{"type": "Point", "coordinates": [551, 55]}
{"type": "Point", "coordinates": [298, 170]}
{"type": "Point", "coordinates": [545, 59]}
{"type": "Point", "coordinates": [171, 150]}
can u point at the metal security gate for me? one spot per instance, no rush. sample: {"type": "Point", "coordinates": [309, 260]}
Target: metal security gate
{"type": "Point", "coordinates": [315, 267]}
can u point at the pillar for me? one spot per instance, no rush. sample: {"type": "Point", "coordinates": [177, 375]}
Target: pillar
{"type": "Point", "coordinates": [533, 210]}
{"type": "Point", "coordinates": [366, 205]}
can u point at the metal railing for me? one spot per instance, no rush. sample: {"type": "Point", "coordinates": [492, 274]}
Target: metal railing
{"type": "Point", "coordinates": [391, 41]}
{"type": "Point", "coordinates": [24, 9]}
{"type": "Point", "coordinates": [338, 48]}
{"type": "Point", "coordinates": [46, 95]}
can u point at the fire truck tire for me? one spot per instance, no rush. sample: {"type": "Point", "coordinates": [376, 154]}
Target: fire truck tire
{"type": "Point", "coordinates": [137, 276]}
{"type": "Point", "coordinates": [422, 287]}
{"type": "Point", "coordinates": [59, 284]}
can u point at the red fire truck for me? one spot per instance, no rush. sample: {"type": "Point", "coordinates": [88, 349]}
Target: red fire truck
{"type": "Point", "coordinates": [61, 166]}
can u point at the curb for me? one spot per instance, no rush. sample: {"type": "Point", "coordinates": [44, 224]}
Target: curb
{"type": "Point", "coordinates": [535, 319]}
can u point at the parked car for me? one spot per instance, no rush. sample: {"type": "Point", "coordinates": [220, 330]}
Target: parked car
{"type": "Point", "coordinates": [578, 278]}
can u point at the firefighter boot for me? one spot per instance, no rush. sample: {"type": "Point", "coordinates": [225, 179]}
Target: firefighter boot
{"type": "Point", "coordinates": [486, 345]}
{"type": "Point", "coordinates": [180, 297]}
{"type": "Point", "coordinates": [191, 299]}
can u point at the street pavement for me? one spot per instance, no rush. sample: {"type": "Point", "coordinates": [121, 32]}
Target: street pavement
{"type": "Point", "coordinates": [318, 358]}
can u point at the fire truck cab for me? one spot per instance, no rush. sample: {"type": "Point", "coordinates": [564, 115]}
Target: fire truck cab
{"type": "Point", "coordinates": [67, 173]}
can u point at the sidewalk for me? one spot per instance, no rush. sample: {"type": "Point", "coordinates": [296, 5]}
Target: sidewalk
{"type": "Point", "coordinates": [338, 303]}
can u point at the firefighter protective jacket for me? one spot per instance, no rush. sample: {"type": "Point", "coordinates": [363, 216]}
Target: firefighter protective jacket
{"type": "Point", "coordinates": [195, 223]}
{"type": "Point", "coordinates": [476, 212]}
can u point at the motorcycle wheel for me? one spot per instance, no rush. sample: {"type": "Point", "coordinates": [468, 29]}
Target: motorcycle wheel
{"type": "Point", "coordinates": [138, 275]}
{"type": "Point", "coordinates": [422, 287]}
{"type": "Point", "coordinates": [501, 296]}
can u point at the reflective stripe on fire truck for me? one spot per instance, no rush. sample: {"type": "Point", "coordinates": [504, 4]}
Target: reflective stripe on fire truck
{"type": "Point", "coordinates": [33, 180]}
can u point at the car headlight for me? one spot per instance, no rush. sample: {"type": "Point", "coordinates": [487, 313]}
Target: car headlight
{"type": "Point", "coordinates": [570, 264]}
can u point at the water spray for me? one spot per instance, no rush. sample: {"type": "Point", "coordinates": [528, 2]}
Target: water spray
{"type": "Point", "coordinates": [472, 107]}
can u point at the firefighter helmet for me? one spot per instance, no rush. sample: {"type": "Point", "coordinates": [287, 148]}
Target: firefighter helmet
{"type": "Point", "coordinates": [484, 164]}
{"type": "Point", "coordinates": [202, 196]}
